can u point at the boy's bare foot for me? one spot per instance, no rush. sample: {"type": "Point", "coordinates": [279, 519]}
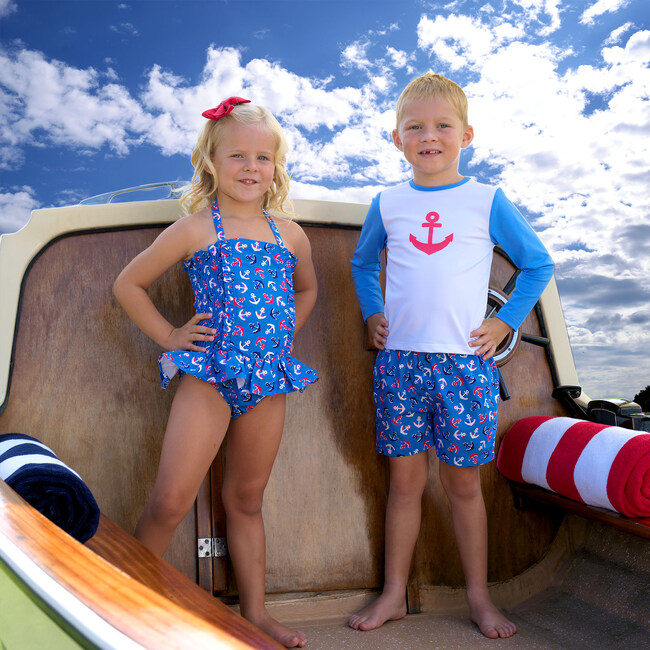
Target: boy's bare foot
{"type": "Point", "coordinates": [281, 633]}
{"type": "Point", "coordinates": [492, 623]}
{"type": "Point", "coordinates": [387, 607]}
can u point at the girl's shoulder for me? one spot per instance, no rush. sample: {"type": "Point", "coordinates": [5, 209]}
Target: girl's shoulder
{"type": "Point", "coordinates": [292, 234]}
{"type": "Point", "coordinates": [196, 230]}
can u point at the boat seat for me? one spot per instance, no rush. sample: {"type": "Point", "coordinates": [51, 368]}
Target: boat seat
{"type": "Point", "coordinates": [594, 470]}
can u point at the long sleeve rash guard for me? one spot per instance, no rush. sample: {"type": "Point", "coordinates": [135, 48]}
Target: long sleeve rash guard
{"type": "Point", "coordinates": [439, 243]}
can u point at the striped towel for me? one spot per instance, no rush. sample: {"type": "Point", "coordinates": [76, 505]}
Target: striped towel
{"type": "Point", "coordinates": [32, 469]}
{"type": "Point", "coordinates": [597, 464]}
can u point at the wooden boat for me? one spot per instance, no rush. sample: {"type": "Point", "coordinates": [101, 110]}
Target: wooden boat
{"type": "Point", "coordinates": [78, 375]}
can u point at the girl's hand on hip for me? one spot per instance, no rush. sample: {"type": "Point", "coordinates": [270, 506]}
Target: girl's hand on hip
{"type": "Point", "coordinates": [185, 337]}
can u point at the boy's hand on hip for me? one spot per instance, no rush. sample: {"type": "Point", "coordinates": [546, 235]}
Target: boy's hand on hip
{"type": "Point", "coordinates": [488, 336]}
{"type": "Point", "coordinates": [378, 328]}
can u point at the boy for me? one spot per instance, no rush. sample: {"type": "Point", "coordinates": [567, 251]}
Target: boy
{"type": "Point", "coordinates": [433, 340]}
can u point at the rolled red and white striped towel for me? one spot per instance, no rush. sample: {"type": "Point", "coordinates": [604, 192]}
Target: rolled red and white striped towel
{"type": "Point", "coordinates": [597, 464]}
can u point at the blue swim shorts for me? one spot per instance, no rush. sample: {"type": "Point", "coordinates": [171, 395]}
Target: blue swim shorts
{"type": "Point", "coordinates": [446, 401]}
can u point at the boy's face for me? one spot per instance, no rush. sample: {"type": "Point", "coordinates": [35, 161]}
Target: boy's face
{"type": "Point", "coordinates": [431, 135]}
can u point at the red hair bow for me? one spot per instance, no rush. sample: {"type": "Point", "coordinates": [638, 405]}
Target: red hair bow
{"type": "Point", "coordinates": [224, 108]}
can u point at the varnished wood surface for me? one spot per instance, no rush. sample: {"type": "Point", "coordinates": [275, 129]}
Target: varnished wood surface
{"type": "Point", "coordinates": [173, 613]}
{"type": "Point", "coordinates": [86, 382]}
{"type": "Point", "coordinates": [532, 496]}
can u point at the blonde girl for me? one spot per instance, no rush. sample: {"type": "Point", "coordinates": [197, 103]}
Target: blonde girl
{"type": "Point", "coordinates": [254, 286]}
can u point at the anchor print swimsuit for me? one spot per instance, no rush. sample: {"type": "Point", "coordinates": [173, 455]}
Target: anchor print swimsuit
{"type": "Point", "coordinates": [247, 285]}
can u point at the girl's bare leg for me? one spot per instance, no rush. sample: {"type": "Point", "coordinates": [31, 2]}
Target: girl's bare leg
{"type": "Point", "coordinates": [463, 488]}
{"type": "Point", "coordinates": [197, 424]}
{"type": "Point", "coordinates": [253, 442]}
{"type": "Point", "coordinates": [408, 478]}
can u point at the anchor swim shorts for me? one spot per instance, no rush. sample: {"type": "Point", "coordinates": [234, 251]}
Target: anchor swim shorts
{"type": "Point", "coordinates": [446, 401]}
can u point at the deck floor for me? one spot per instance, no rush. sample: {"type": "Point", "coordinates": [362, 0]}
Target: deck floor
{"type": "Point", "coordinates": [603, 601]}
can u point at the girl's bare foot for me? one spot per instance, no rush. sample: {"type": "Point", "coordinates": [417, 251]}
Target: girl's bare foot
{"type": "Point", "coordinates": [387, 607]}
{"type": "Point", "coordinates": [281, 633]}
{"type": "Point", "coordinates": [492, 623]}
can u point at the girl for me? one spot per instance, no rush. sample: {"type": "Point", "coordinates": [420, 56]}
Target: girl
{"type": "Point", "coordinates": [254, 286]}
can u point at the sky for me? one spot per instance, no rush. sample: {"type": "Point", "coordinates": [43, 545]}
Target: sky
{"type": "Point", "coordinates": [97, 95]}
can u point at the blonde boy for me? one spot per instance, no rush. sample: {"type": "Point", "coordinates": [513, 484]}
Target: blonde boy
{"type": "Point", "coordinates": [435, 382]}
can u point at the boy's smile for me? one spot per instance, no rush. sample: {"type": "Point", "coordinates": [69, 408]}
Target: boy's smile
{"type": "Point", "coordinates": [431, 135]}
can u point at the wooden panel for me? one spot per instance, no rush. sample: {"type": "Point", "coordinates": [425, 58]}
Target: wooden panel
{"type": "Point", "coordinates": [85, 379]}
{"type": "Point", "coordinates": [324, 507]}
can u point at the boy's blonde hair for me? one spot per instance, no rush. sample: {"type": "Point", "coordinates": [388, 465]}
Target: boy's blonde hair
{"type": "Point", "coordinates": [434, 85]}
{"type": "Point", "coordinates": [203, 189]}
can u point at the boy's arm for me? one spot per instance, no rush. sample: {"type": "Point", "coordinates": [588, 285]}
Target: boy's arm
{"type": "Point", "coordinates": [366, 262]}
{"type": "Point", "coordinates": [511, 231]}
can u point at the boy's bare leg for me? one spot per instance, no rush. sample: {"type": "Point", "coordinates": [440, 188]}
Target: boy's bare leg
{"type": "Point", "coordinates": [463, 488]}
{"type": "Point", "coordinates": [251, 448]}
{"type": "Point", "coordinates": [408, 477]}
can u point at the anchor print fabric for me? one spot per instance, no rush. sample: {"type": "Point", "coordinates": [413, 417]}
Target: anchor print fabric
{"type": "Point", "coordinates": [446, 401]}
{"type": "Point", "coordinates": [247, 285]}
{"type": "Point", "coordinates": [439, 244]}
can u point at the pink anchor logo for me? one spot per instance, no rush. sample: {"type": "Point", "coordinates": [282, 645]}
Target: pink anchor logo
{"type": "Point", "coordinates": [431, 247]}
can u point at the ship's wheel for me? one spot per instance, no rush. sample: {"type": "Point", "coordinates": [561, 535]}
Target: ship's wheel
{"type": "Point", "coordinates": [497, 298]}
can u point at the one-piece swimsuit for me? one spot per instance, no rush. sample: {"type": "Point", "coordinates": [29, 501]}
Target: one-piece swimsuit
{"type": "Point", "coordinates": [247, 285]}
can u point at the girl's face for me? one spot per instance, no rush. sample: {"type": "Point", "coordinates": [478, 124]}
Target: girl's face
{"type": "Point", "coordinates": [245, 162]}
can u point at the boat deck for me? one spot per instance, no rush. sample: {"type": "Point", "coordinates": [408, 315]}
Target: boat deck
{"type": "Point", "coordinates": [600, 598]}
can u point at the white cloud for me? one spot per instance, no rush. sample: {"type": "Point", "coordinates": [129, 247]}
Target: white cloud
{"type": "Point", "coordinates": [355, 55]}
{"type": "Point", "coordinates": [124, 29]}
{"type": "Point", "coordinates": [16, 206]}
{"type": "Point", "coordinates": [49, 102]}
{"type": "Point", "coordinates": [7, 7]}
{"type": "Point", "coordinates": [599, 8]}
{"type": "Point", "coordinates": [615, 36]}
{"type": "Point", "coordinates": [551, 8]}
{"type": "Point", "coordinates": [461, 41]}
{"type": "Point", "coordinates": [398, 58]}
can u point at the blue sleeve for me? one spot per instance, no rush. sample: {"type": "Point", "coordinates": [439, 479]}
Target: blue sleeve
{"type": "Point", "coordinates": [366, 262]}
{"type": "Point", "coordinates": [511, 231]}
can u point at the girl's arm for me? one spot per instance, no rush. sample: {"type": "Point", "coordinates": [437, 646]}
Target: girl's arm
{"type": "Point", "coordinates": [130, 288]}
{"type": "Point", "coordinates": [305, 285]}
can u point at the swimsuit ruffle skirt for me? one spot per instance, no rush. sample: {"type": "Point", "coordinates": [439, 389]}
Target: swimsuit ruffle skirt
{"type": "Point", "coordinates": [247, 285]}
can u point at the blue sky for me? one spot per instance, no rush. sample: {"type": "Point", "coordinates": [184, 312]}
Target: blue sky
{"type": "Point", "coordinates": [98, 95]}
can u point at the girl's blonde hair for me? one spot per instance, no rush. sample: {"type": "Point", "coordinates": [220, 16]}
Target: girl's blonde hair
{"type": "Point", "coordinates": [203, 189]}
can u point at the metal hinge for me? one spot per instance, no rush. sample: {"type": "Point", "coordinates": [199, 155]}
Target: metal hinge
{"type": "Point", "coordinates": [212, 547]}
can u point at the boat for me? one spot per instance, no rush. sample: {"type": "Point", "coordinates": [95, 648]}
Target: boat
{"type": "Point", "coordinates": [79, 376]}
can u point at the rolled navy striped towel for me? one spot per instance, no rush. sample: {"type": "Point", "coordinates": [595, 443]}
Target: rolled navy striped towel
{"type": "Point", "coordinates": [597, 464]}
{"type": "Point", "coordinates": [32, 469]}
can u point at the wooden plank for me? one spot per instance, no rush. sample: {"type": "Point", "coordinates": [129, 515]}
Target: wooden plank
{"type": "Point", "coordinates": [159, 609]}
{"type": "Point", "coordinates": [526, 493]}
